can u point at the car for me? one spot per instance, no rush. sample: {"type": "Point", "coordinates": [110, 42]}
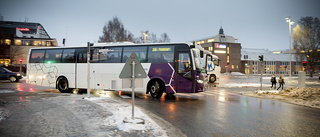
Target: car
{"type": "Point", "coordinates": [6, 74]}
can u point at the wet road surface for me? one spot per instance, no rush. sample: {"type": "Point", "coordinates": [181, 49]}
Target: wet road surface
{"type": "Point", "coordinates": [225, 112]}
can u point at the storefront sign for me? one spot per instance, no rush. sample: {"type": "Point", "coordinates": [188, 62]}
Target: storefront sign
{"type": "Point", "coordinates": [221, 46]}
{"type": "Point", "coordinates": [23, 29]}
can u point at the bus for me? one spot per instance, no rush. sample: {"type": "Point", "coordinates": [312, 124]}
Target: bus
{"type": "Point", "coordinates": [211, 63]}
{"type": "Point", "coordinates": [171, 67]}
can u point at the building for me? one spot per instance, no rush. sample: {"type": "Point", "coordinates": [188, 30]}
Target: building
{"type": "Point", "coordinates": [274, 62]}
{"type": "Point", "coordinates": [16, 38]}
{"type": "Point", "coordinates": [226, 48]}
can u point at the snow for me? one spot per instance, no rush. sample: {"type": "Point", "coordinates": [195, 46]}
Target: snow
{"type": "Point", "coordinates": [309, 97]}
{"type": "Point", "coordinates": [123, 111]}
{"type": "Point", "coordinates": [240, 84]}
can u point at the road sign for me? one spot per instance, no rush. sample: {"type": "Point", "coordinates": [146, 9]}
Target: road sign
{"type": "Point", "coordinates": [127, 69]}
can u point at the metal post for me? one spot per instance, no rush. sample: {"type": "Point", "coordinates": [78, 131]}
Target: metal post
{"type": "Point", "coordinates": [20, 66]}
{"type": "Point", "coordinates": [261, 76]}
{"type": "Point", "coordinates": [290, 46]}
{"type": "Point", "coordinates": [132, 86]}
{"type": "Point", "coordinates": [88, 72]}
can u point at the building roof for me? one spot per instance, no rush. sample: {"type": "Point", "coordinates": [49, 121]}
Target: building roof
{"type": "Point", "coordinates": [218, 38]}
{"type": "Point", "coordinates": [24, 29]}
{"type": "Point", "coordinates": [253, 54]}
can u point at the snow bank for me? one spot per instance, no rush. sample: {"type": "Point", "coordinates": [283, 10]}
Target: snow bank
{"type": "Point", "coordinates": [302, 96]}
{"type": "Point", "coordinates": [241, 84]}
{"type": "Point", "coordinates": [123, 111]}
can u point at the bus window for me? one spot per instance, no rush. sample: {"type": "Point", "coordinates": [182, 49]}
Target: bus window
{"type": "Point", "coordinates": [53, 56]}
{"type": "Point", "coordinates": [68, 56]}
{"type": "Point", "coordinates": [141, 52]}
{"type": "Point", "coordinates": [82, 55]}
{"type": "Point", "coordinates": [111, 55]}
{"type": "Point", "coordinates": [37, 56]}
{"type": "Point", "coordinates": [160, 54]}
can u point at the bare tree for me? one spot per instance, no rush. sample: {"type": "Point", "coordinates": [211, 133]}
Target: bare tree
{"type": "Point", "coordinates": [164, 38]}
{"type": "Point", "coordinates": [15, 53]}
{"type": "Point", "coordinates": [114, 31]}
{"type": "Point", "coordinates": [306, 41]}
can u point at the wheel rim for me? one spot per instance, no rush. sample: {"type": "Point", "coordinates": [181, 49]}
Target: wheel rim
{"type": "Point", "coordinates": [154, 89]}
{"type": "Point", "coordinates": [12, 79]}
{"type": "Point", "coordinates": [62, 84]}
{"type": "Point", "coordinates": [213, 78]}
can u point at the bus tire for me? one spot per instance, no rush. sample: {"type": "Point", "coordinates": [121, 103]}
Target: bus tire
{"type": "Point", "coordinates": [212, 78]}
{"type": "Point", "coordinates": [63, 85]}
{"type": "Point", "coordinates": [156, 89]}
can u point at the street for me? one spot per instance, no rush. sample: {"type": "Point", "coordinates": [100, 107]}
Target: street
{"type": "Point", "coordinates": [219, 111]}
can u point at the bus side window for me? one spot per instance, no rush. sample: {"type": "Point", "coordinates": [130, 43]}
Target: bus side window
{"type": "Point", "coordinates": [140, 52]}
{"type": "Point", "coordinates": [53, 56]}
{"type": "Point", "coordinates": [81, 55]}
{"type": "Point", "coordinates": [37, 56]}
{"type": "Point", "coordinates": [68, 56]}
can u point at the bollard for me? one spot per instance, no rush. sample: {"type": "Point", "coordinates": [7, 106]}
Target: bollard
{"type": "Point", "coordinates": [302, 79]}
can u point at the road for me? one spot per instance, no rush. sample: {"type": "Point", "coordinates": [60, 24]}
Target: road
{"type": "Point", "coordinates": [215, 112]}
{"type": "Point", "coordinates": [224, 112]}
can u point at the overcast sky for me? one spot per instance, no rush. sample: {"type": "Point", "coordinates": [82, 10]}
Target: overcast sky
{"type": "Point", "coordinates": [255, 23]}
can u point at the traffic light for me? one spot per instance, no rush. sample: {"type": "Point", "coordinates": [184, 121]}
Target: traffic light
{"type": "Point", "coordinates": [245, 65]}
{"type": "Point", "coordinates": [261, 58]}
{"type": "Point", "coordinates": [20, 60]}
{"type": "Point", "coordinates": [304, 63]}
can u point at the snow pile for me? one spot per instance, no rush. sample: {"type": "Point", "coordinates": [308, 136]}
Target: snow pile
{"type": "Point", "coordinates": [237, 74]}
{"type": "Point", "coordinates": [123, 111]}
{"type": "Point", "coordinates": [302, 96]}
{"type": "Point", "coordinates": [241, 84]}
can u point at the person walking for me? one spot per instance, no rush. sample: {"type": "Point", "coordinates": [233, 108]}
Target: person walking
{"type": "Point", "coordinates": [281, 82]}
{"type": "Point", "coordinates": [274, 81]}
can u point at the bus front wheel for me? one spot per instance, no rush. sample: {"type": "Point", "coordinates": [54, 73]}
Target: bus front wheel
{"type": "Point", "coordinates": [62, 85]}
{"type": "Point", "coordinates": [156, 89]}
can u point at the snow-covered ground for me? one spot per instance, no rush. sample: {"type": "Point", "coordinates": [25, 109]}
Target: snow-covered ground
{"type": "Point", "coordinates": [309, 97]}
{"type": "Point", "coordinates": [241, 84]}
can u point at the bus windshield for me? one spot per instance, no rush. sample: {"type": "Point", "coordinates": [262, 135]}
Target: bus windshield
{"type": "Point", "coordinates": [198, 63]}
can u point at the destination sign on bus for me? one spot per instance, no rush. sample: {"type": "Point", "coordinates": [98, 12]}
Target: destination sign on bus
{"type": "Point", "coordinates": [161, 49]}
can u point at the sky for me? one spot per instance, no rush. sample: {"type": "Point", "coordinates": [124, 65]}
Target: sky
{"type": "Point", "coordinates": [255, 23]}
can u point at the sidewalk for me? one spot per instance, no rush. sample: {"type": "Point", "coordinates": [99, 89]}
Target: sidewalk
{"type": "Point", "coordinates": [94, 116]}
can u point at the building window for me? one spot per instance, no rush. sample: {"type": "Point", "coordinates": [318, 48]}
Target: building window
{"type": "Point", "coordinates": [232, 66]}
{"type": "Point", "coordinates": [210, 40]}
{"type": "Point", "coordinates": [255, 67]}
{"type": "Point", "coordinates": [210, 48]}
{"type": "Point", "coordinates": [228, 59]}
{"type": "Point", "coordinates": [270, 67]}
{"type": "Point", "coordinates": [37, 43]}
{"type": "Point", "coordinates": [228, 51]}
{"type": "Point", "coordinates": [48, 43]}
{"type": "Point", "coordinates": [26, 42]}
{"type": "Point", "coordinates": [17, 42]}
{"type": "Point", "coordinates": [8, 41]}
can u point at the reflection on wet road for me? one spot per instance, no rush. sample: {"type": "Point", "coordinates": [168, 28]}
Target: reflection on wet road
{"type": "Point", "coordinates": [223, 112]}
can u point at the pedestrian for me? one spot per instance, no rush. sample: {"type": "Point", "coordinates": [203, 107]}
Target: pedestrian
{"type": "Point", "coordinates": [281, 82]}
{"type": "Point", "coordinates": [274, 81]}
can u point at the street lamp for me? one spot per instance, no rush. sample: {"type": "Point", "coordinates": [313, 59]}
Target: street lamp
{"type": "Point", "coordinates": [290, 23]}
{"type": "Point", "coordinates": [145, 37]}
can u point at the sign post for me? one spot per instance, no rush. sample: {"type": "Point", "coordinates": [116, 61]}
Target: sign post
{"type": "Point", "coordinates": [132, 70]}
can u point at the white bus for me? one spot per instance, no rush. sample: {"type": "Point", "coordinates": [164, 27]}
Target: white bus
{"type": "Point", "coordinates": [171, 68]}
{"type": "Point", "coordinates": [211, 63]}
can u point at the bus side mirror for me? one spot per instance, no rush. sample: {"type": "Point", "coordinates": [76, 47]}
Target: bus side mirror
{"type": "Point", "coordinates": [201, 54]}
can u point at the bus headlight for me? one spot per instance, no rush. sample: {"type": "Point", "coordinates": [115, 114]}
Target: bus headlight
{"type": "Point", "coordinates": [200, 81]}
{"type": "Point", "coordinates": [18, 74]}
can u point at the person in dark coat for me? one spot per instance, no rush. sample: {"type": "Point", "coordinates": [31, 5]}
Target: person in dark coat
{"type": "Point", "coordinates": [281, 82]}
{"type": "Point", "coordinates": [274, 81]}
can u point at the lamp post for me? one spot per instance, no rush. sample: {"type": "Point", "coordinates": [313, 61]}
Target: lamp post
{"type": "Point", "coordinates": [145, 37]}
{"type": "Point", "coordinates": [290, 23]}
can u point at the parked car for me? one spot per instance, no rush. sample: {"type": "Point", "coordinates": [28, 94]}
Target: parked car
{"type": "Point", "coordinates": [6, 74]}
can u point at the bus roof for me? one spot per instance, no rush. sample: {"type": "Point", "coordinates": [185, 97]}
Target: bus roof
{"type": "Point", "coordinates": [115, 44]}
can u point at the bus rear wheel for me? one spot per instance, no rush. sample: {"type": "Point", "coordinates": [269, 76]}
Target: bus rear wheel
{"type": "Point", "coordinates": [212, 78]}
{"type": "Point", "coordinates": [156, 89]}
{"type": "Point", "coordinates": [62, 85]}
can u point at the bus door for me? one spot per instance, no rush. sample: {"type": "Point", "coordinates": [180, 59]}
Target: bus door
{"type": "Point", "coordinates": [81, 68]}
{"type": "Point", "coordinates": [184, 72]}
